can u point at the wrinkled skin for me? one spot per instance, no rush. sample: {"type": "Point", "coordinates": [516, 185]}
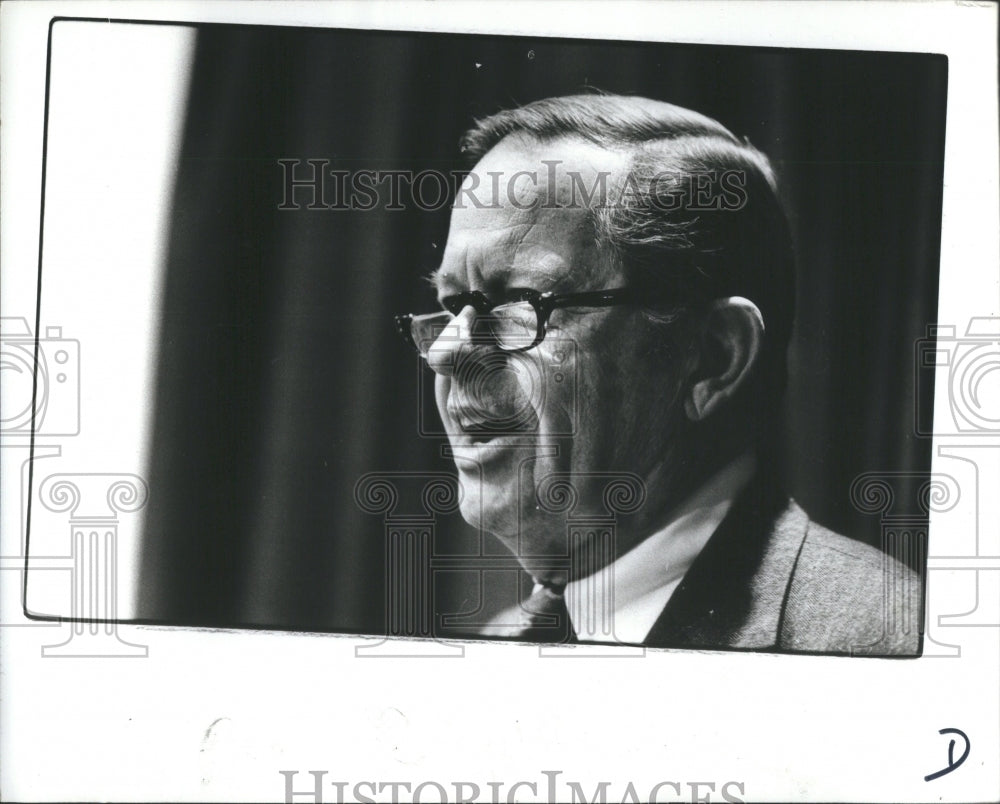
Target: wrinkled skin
{"type": "Point", "coordinates": [610, 388]}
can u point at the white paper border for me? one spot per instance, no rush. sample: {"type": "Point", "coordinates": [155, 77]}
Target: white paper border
{"type": "Point", "coordinates": [216, 715]}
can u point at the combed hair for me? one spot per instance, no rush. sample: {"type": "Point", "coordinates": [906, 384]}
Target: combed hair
{"type": "Point", "coordinates": [745, 251]}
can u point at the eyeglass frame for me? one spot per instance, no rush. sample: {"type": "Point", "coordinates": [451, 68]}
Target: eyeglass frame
{"type": "Point", "coordinates": [544, 304]}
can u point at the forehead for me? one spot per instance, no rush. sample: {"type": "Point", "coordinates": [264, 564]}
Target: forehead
{"type": "Point", "coordinates": [523, 220]}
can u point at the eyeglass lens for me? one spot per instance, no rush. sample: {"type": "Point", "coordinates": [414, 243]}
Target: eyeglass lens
{"type": "Point", "coordinates": [510, 326]}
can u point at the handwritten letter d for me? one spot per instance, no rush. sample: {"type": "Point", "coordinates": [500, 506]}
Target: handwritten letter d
{"type": "Point", "coordinates": [952, 764]}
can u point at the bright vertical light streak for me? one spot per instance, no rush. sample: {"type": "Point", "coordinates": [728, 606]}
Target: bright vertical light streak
{"type": "Point", "coordinates": [117, 105]}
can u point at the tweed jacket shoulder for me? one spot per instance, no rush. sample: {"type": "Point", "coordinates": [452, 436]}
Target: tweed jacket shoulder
{"type": "Point", "coordinates": [771, 579]}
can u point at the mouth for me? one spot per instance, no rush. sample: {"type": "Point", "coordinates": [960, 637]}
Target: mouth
{"type": "Point", "coordinates": [481, 430]}
{"type": "Point", "coordinates": [482, 451]}
{"type": "Point", "coordinates": [480, 437]}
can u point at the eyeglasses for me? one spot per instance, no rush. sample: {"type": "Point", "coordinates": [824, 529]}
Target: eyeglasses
{"type": "Point", "coordinates": [513, 326]}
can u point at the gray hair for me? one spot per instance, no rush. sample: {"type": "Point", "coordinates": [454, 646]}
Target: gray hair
{"type": "Point", "coordinates": [742, 250]}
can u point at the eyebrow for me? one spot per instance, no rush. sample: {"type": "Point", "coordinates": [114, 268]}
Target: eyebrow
{"type": "Point", "coordinates": [440, 282]}
{"type": "Point", "coordinates": [540, 279]}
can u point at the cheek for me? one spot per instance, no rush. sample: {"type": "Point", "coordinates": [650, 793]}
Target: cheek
{"type": "Point", "coordinates": [650, 408]}
{"type": "Point", "coordinates": [505, 384]}
{"type": "Point", "coordinates": [552, 386]}
{"type": "Point", "coordinates": [622, 403]}
{"type": "Point", "coordinates": [600, 394]}
{"type": "Point", "coordinates": [442, 385]}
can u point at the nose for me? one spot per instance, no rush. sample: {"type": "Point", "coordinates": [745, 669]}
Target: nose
{"type": "Point", "coordinates": [443, 354]}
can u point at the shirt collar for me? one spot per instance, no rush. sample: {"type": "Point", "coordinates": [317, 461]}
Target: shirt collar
{"type": "Point", "coordinates": [621, 601]}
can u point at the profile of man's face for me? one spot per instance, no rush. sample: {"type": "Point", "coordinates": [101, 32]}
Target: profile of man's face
{"type": "Point", "coordinates": [593, 397]}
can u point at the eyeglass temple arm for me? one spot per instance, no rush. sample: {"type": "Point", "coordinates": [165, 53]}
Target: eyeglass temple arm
{"type": "Point", "coordinates": [591, 298]}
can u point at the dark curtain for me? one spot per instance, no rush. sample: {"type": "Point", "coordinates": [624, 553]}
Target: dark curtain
{"type": "Point", "coordinates": [280, 382]}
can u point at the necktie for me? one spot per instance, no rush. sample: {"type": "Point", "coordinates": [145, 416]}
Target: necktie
{"type": "Point", "coordinates": [543, 617]}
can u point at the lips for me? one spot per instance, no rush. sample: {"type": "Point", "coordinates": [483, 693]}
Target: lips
{"type": "Point", "coordinates": [479, 426]}
{"type": "Point", "coordinates": [485, 440]}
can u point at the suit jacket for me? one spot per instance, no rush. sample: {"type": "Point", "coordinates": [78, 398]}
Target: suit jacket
{"type": "Point", "coordinates": [771, 579]}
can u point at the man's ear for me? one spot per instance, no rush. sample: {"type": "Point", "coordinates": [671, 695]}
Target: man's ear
{"type": "Point", "coordinates": [730, 346]}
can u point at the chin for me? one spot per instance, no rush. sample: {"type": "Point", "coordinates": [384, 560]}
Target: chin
{"type": "Point", "coordinates": [492, 510]}
{"type": "Point", "coordinates": [499, 510]}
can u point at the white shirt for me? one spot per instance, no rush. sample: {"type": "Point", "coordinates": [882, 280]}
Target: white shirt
{"type": "Point", "coordinates": [622, 601]}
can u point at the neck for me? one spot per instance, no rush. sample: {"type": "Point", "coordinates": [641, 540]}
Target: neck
{"type": "Point", "coordinates": [692, 460]}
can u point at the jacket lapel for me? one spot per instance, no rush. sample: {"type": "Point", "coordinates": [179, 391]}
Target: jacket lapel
{"type": "Point", "coordinates": [733, 596]}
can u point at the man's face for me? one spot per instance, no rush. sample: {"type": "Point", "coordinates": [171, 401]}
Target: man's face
{"type": "Point", "coordinates": [593, 397]}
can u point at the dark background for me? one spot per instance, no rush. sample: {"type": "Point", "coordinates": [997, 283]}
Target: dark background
{"type": "Point", "coordinates": [281, 382]}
